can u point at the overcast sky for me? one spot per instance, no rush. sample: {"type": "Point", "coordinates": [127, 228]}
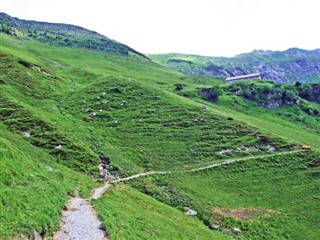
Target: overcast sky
{"type": "Point", "coordinates": [205, 27]}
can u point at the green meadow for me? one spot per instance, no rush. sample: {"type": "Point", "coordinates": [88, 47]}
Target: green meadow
{"type": "Point", "coordinates": [63, 108]}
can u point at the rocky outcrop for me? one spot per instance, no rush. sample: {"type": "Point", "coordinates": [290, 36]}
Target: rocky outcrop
{"type": "Point", "coordinates": [290, 66]}
{"type": "Point", "coordinates": [316, 92]}
{"type": "Point", "coordinates": [217, 71]}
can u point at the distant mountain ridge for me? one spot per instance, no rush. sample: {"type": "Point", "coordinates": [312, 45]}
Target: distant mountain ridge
{"type": "Point", "coordinates": [62, 35]}
{"type": "Point", "coordinates": [292, 65]}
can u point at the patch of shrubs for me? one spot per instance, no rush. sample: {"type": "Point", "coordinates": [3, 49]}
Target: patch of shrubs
{"type": "Point", "coordinates": [211, 94]}
{"type": "Point", "coordinates": [274, 95]}
{"type": "Point", "coordinates": [179, 86]}
{"type": "Point", "coordinates": [270, 96]}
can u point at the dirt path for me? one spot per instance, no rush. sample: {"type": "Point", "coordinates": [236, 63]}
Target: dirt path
{"type": "Point", "coordinates": [98, 192]}
{"type": "Point", "coordinates": [224, 162]}
{"type": "Point", "coordinates": [80, 222]}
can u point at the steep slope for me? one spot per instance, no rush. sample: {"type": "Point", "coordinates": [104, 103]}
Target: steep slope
{"type": "Point", "coordinates": [146, 218]}
{"type": "Point", "coordinates": [62, 35]}
{"type": "Point", "coordinates": [291, 65]}
{"type": "Point", "coordinates": [33, 188]}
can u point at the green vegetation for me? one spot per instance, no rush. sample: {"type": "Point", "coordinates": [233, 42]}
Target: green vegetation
{"type": "Point", "coordinates": [33, 188]}
{"type": "Point", "coordinates": [268, 198]}
{"type": "Point", "coordinates": [274, 95]}
{"type": "Point", "coordinates": [129, 214]}
{"type": "Point", "coordinates": [63, 108]}
{"type": "Point", "coordinates": [265, 105]}
{"type": "Point", "coordinates": [62, 35]}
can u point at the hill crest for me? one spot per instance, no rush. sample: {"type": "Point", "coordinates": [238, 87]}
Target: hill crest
{"type": "Point", "coordinates": [61, 34]}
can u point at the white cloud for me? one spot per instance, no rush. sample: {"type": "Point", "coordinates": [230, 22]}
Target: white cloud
{"type": "Point", "coordinates": [207, 27]}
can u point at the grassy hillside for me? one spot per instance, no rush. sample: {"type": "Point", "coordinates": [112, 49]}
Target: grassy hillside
{"type": "Point", "coordinates": [62, 35]}
{"type": "Point", "coordinates": [269, 198]}
{"type": "Point", "coordinates": [146, 218]}
{"type": "Point", "coordinates": [70, 106]}
{"type": "Point", "coordinates": [33, 187]}
{"type": "Point", "coordinates": [246, 102]}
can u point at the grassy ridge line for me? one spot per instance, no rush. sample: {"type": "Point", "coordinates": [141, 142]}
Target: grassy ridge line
{"type": "Point", "coordinates": [228, 161]}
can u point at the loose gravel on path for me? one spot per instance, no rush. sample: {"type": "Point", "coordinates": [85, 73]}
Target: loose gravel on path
{"type": "Point", "coordinates": [80, 222]}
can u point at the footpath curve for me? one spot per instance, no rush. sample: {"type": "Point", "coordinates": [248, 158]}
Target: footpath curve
{"type": "Point", "coordinates": [80, 221]}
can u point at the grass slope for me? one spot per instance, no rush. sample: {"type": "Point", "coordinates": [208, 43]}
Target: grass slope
{"type": "Point", "coordinates": [271, 198]}
{"type": "Point", "coordinates": [129, 214]}
{"type": "Point", "coordinates": [156, 130]}
{"type": "Point", "coordinates": [62, 35]}
{"type": "Point", "coordinates": [33, 187]}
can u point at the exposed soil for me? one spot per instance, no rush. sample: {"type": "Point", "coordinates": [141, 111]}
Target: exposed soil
{"type": "Point", "coordinates": [241, 213]}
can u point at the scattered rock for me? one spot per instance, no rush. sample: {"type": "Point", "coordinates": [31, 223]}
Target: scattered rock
{"type": "Point", "coordinates": [224, 151]}
{"type": "Point", "coordinates": [236, 230]}
{"type": "Point", "coordinates": [50, 169]}
{"type": "Point", "coordinates": [26, 134]}
{"type": "Point", "coordinates": [271, 148]}
{"type": "Point", "coordinates": [36, 235]}
{"type": "Point", "coordinates": [215, 226]}
{"type": "Point", "coordinates": [190, 212]}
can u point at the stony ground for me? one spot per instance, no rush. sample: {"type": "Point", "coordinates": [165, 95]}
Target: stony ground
{"type": "Point", "coordinates": [80, 222]}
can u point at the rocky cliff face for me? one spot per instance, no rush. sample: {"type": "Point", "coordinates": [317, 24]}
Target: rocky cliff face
{"type": "Point", "coordinates": [289, 66]}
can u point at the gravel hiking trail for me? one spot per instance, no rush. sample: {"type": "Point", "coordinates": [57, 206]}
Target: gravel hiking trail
{"type": "Point", "coordinates": [224, 162]}
{"type": "Point", "coordinates": [80, 221]}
